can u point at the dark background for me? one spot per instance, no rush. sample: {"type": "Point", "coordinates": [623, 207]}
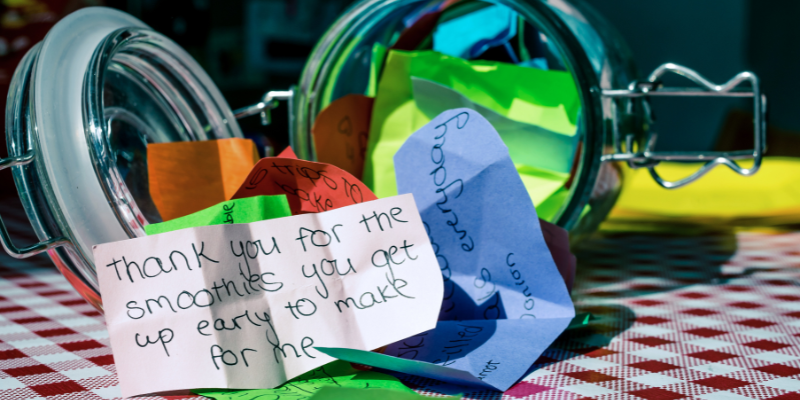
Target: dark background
{"type": "Point", "coordinates": [251, 46]}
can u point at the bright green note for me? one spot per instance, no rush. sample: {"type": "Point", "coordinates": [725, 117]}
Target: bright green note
{"type": "Point", "coordinates": [337, 374]}
{"type": "Point", "coordinates": [548, 99]}
{"type": "Point", "coordinates": [239, 211]}
{"type": "Point", "coordinates": [340, 393]}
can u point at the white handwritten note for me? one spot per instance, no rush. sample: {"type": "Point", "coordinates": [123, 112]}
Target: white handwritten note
{"type": "Point", "coordinates": [244, 306]}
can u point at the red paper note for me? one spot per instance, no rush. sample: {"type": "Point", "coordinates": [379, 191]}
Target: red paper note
{"type": "Point", "coordinates": [309, 186]}
{"type": "Point", "coordinates": [341, 131]}
{"type": "Point", "coordinates": [287, 153]}
{"type": "Point", "coordinates": [557, 240]}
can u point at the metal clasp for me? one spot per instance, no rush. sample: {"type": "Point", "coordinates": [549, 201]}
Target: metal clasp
{"type": "Point", "coordinates": [264, 107]}
{"type": "Point", "coordinates": [647, 158]}
{"type": "Point", "coordinates": [5, 238]}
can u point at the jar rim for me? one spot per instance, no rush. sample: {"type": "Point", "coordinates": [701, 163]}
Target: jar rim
{"type": "Point", "coordinates": [352, 27]}
{"type": "Point", "coordinates": [168, 74]}
{"type": "Point", "coordinates": [73, 185]}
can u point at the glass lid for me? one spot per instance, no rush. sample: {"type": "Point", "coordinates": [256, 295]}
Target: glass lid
{"type": "Point", "coordinates": [143, 88]}
{"type": "Point", "coordinates": [103, 86]}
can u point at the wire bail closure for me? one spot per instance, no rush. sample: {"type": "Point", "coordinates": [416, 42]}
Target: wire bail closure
{"type": "Point", "coordinates": [264, 107]}
{"type": "Point", "coordinates": [653, 87]}
{"type": "Point", "coordinates": [5, 238]}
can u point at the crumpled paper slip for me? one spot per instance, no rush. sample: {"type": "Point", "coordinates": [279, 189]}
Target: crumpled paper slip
{"type": "Point", "coordinates": [244, 306]}
{"type": "Point", "coordinates": [309, 186]}
{"type": "Point", "coordinates": [469, 35]}
{"type": "Point", "coordinates": [337, 374]}
{"type": "Point", "coordinates": [239, 211]}
{"type": "Point", "coordinates": [547, 99]}
{"type": "Point", "coordinates": [340, 133]}
{"type": "Point", "coordinates": [557, 240]}
{"type": "Point", "coordinates": [528, 145]}
{"type": "Point", "coordinates": [186, 177]}
{"type": "Point", "coordinates": [500, 281]}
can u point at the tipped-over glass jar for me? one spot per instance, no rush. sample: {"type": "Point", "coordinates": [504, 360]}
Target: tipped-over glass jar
{"type": "Point", "coordinates": [85, 102]}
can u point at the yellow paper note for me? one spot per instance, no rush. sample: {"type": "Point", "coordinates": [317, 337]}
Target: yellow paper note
{"type": "Point", "coordinates": [721, 195]}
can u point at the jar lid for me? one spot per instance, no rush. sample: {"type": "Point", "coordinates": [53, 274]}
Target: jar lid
{"type": "Point", "coordinates": [102, 86]}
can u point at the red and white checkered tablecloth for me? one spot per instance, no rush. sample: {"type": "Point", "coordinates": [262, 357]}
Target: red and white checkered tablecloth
{"type": "Point", "coordinates": [714, 316]}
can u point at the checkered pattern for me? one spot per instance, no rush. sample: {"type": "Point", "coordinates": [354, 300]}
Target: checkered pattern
{"type": "Point", "coordinates": [714, 316]}
{"type": "Point", "coordinates": [53, 345]}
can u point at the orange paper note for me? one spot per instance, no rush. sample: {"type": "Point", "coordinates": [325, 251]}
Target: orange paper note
{"type": "Point", "coordinates": [341, 131]}
{"type": "Point", "coordinates": [309, 186]}
{"type": "Point", "coordinates": [186, 177]}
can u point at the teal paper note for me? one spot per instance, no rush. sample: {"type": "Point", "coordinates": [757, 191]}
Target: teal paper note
{"type": "Point", "coordinates": [468, 36]}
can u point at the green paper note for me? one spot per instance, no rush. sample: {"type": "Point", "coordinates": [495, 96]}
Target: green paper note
{"type": "Point", "coordinates": [337, 374]}
{"type": "Point", "coordinates": [548, 99]}
{"type": "Point", "coordinates": [239, 211]}
{"type": "Point", "coordinates": [338, 393]}
{"type": "Point", "coordinates": [375, 66]}
{"type": "Point", "coordinates": [527, 144]}
{"type": "Point", "coordinates": [580, 320]}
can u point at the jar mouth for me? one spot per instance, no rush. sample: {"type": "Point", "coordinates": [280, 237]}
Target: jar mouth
{"type": "Point", "coordinates": [141, 88]}
{"type": "Point", "coordinates": [346, 48]}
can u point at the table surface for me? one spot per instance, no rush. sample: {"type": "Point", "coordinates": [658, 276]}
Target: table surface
{"type": "Point", "coordinates": [714, 316]}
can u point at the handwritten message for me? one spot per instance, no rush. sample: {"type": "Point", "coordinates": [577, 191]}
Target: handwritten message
{"type": "Point", "coordinates": [243, 306]}
{"type": "Point", "coordinates": [500, 282]}
{"type": "Point", "coordinates": [310, 187]}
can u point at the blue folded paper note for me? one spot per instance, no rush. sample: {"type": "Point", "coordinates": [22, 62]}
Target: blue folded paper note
{"type": "Point", "coordinates": [504, 300]}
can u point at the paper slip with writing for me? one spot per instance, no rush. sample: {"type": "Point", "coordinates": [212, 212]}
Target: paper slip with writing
{"type": "Point", "coordinates": [504, 299]}
{"type": "Point", "coordinates": [310, 187]}
{"type": "Point", "coordinates": [244, 306]}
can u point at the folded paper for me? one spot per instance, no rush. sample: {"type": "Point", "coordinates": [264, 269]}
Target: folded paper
{"type": "Point", "coordinates": [243, 306]}
{"type": "Point", "coordinates": [543, 158]}
{"type": "Point", "coordinates": [310, 187]}
{"type": "Point", "coordinates": [343, 393]}
{"type": "Point", "coordinates": [528, 144]}
{"type": "Point", "coordinates": [240, 211]}
{"type": "Point", "coordinates": [338, 374]}
{"type": "Point", "coordinates": [547, 99]}
{"type": "Point", "coordinates": [557, 240]}
{"type": "Point", "coordinates": [469, 35]}
{"type": "Point", "coordinates": [186, 177]}
{"type": "Point", "coordinates": [340, 133]}
{"type": "Point", "coordinates": [500, 282]}
{"type": "Point", "coordinates": [287, 153]}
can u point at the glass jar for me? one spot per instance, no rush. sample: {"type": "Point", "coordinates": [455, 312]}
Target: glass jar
{"type": "Point", "coordinates": [85, 102]}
